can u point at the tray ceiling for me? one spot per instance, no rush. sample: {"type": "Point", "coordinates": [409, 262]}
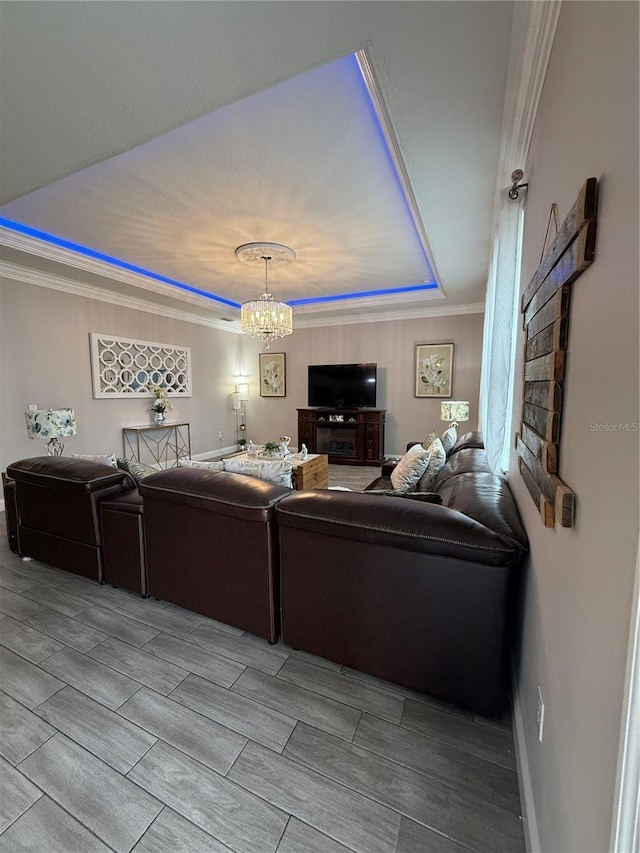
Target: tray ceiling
{"type": "Point", "coordinates": [308, 162]}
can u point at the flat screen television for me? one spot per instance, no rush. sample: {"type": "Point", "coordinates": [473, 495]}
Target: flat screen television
{"type": "Point", "coordinates": [342, 386]}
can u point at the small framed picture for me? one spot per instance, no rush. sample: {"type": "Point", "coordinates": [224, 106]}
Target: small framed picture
{"type": "Point", "coordinates": [273, 374]}
{"type": "Point", "coordinates": [434, 370]}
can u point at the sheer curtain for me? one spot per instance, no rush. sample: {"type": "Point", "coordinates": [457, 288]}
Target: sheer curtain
{"type": "Point", "coordinates": [500, 334]}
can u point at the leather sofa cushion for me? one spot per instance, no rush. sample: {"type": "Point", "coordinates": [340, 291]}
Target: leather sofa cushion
{"type": "Point", "coordinates": [469, 439]}
{"type": "Point", "coordinates": [410, 525]}
{"type": "Point", "coordinates": [63, 473]}
{"type": "Point", "coordinates": [215, 491]}
{"type": "Point", "coordinates": [466, 461]}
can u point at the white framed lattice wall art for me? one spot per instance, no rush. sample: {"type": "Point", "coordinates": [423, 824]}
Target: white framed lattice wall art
{"type": "Point", "coordinates": [124, 367]}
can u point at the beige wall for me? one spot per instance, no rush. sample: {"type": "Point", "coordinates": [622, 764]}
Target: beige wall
{"type": "Point", "coordinates": [392, 346]}
{"type": "Point", "coordinates": [578, 588]}
{"type": "Point", "coordinates": [44, 359]}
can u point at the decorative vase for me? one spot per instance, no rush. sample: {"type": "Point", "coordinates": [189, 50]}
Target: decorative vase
{"type": "Point", "coordinates": [159, 418]}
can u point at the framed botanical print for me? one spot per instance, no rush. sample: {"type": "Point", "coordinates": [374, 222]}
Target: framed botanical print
{"type": "Point", "coordinates": [433, 370]}
{"type": "Point", "coordinates": [273, 374]}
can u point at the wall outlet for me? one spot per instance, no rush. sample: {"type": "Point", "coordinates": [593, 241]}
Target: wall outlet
{"type": "Point", "coordinates": [33, 407]}
{"type": "Point", "coordinates": [221, 435]}
{"type": "Point", "coordinates": [540, 714]}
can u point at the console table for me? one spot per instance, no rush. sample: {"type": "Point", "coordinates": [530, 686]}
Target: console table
{"type": "Point", "coordinates": [161, 446]}
{"type": "Point", "coordinates": [347, 436]}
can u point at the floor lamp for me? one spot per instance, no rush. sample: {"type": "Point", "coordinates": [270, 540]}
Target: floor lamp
{"type": "Point", "coordinates": [239, 405]}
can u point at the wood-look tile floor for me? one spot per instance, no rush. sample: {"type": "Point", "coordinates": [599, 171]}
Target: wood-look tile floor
{"type": "Point", "coordinates": [130, 724]}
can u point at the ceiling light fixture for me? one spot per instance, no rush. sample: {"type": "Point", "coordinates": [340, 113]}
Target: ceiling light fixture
{"type": "Point", "coordinates": [265, 318]}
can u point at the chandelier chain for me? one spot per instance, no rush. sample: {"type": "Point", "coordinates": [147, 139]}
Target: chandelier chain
{"type": "Point", "coordinates": [266, 260]}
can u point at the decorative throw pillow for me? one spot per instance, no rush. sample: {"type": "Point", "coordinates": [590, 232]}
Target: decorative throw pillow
{"type": "Point", "coordinates": [449, 438]}
{"type": "Point", "coordinates": [426, 497]}
{"type": "Point", "coordinates": [138, 470]}
{"type": "Point", "coordinates": [426, 444]}
{"type": "Point", "coordinates": [437, 458]}
{"type": "Point", "coordinates": [409, 470]}
{"type": "Point", "coordinates": [209, 466]}
{"type": "Point", "coordinates": [417, 448]}
{"type": "Point", "coordinates": [279, 472]}
{"type": "Point", "coordinates": [106, 458]}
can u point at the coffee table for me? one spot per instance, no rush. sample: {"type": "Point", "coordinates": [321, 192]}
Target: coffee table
{"type": "Point", "coordinates": [311, 473]}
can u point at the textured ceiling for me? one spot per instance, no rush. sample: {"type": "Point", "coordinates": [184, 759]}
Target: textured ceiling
{"type": "Point", "coordinates": [167, 148]}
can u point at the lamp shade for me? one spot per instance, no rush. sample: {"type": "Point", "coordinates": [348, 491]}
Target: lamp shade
{"type": "Point", "coordinates": [235, 401]}
{"type": "Point", "coordinates": [454, 410]}
{"type": "Point", "coordinates": [51, 423]}
{"type": "Point", "coordinates": [243, 391]}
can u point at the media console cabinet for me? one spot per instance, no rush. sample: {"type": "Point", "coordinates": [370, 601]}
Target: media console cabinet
{"type": "Point", "coordinates": [346, 436]}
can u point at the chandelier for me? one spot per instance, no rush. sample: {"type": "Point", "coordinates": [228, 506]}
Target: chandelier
{"type": "Point", "coordinates": [265, 318]}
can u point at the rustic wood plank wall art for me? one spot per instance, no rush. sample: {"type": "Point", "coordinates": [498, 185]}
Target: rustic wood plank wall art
{"type": "Point", "coordinates": [545, 307]}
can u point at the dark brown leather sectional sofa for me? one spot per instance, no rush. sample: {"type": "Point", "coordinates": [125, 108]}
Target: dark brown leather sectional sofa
{"type": "Point", "coordinates": [415, 593]}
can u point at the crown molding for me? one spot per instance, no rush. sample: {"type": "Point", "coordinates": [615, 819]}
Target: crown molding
{"type": "Point", "coordinates": [411, 313]}
{"type": "Point", "coordinates": [533, 32]}
{"type": "Point", "coordinates": [60, 255]}
{"type": "Point", "coordinates": [39, 278]}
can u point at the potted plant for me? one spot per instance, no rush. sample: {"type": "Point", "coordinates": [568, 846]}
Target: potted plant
{"type": "Point", "coordinates": [242, 443]}
{"type": "Point", "coordinates": [161, 405]}
{"type": "Point", "coordinates": [271, 448]}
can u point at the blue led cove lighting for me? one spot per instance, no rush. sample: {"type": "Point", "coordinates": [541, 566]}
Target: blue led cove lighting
{"type": "Point", "coordinates": [364, 293]}
{"type": "Point", "coordinates": [349, 62]}
{"type": "Point", "coordinates": [19, 228]}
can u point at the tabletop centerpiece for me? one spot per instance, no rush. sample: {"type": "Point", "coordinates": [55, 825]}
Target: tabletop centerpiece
{"type": "Point", "coordinates": [161, 405]}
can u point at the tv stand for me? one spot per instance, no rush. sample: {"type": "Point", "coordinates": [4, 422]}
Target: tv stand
{"type": "Point", "coordinates": [347, 436]}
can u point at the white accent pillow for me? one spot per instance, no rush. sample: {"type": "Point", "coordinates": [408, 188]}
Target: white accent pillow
{"type": "Point", "coordinates": [409, 469]}
{"type": "Point", "coordinates": [279, 472]}
{"type": "Point", "coordinates": [437, 458]}
{"type": "Point", "coordinates": [107, 458]}
{"type": "Point", "coordinates": [209, 466]}
{"type": "Point", "coordinates": [449, 438]}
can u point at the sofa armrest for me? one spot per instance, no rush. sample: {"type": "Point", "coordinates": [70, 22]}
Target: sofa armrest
{"type": "Point", "coordinates": [11, 512]}
{"type": "Point", "coordinates": [388, 466]}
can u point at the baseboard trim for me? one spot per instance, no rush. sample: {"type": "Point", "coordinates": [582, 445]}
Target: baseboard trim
{"type": "Point", "coordinates": [529, 819]}
{"type": "Point", "coordinates": [1, 506]}
{"type": "Point", "coordinates": [218, 454]}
